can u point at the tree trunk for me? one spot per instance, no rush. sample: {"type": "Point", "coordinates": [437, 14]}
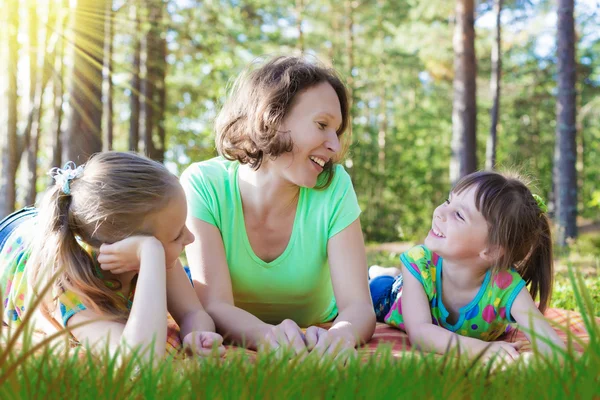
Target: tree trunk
{"type": "Point", "coordinates": [299, 11]}
{"type": "Point", "coordinates": [350, 54]}
{"type": "Point", "coordinates": [162, 101]}
{"type": "Point", "coordinates": [490, 159]}
{"type": "Point", "coordinates": [49, 54]}
{"type": "Point", "coordinates": [84, 134]}
{"type": "Point", "coordinates": [154, 79]}
{"type": "Point", "coordinates": [464, 106]}
{"type": "Point", "coordinates": [383, 121]}
{"type": "Point", "coordinates": [349, 11]}
{"type": "Point", "coordinates": [58, 84]}
{"type": "Point", "coordinates": [107, 143]}
{"type": "Point", "coordinates": [134, 123]}
{"type": "Point", "coordinates": [32, 14]}
{"type": "Point", "coordinates": [9, 151]}
{"type": "Point", "coordinates": [565, 152]}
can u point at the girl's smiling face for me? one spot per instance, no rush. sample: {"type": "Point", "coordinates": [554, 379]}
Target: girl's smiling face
{"type": "Point", "coordinates": [459, 232]}
{"type": "Point", "coordinates": [312, 123]}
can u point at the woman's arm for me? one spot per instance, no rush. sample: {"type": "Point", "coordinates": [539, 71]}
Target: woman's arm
{"type": "Point", "coordinates": [429, 337]}
{"type": "Point", "coordinates": [146, 326]}
{"type": "Point", "coordinates": [212, 282]}
{"type": "Point", "coordinates": [349, 276]}
{"type": "Point", "coordinates": [533, 323]}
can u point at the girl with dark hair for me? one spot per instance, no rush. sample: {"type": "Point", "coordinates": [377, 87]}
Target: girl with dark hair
{"type": "Point", "coordinates": [488, 242]}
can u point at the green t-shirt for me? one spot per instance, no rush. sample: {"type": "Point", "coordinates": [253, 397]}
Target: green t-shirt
{"type": "Point", "coordinates": [297, 284]}
{"type": "Point", "coordinates": [486, 317]}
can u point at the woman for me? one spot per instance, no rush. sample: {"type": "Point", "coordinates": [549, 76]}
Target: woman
{"type": "Point", "coordinates": [278, 240]}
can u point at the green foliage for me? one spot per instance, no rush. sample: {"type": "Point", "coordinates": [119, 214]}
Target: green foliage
{"type": "Point", "coordinates": [398, 62]}
{"type": "Point", "coordinates": [400, 71]}
{"type": "Point", "coordinates": [564, 297]}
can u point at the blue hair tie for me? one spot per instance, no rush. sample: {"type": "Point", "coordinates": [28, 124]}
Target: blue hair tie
{"type": "Point", "coordinates": [63, 176]}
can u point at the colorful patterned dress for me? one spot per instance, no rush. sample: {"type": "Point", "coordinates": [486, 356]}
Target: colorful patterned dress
{"type": "Point", "coordinates": [486, 317]}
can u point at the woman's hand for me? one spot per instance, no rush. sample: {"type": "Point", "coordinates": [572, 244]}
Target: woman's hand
{"type": "Point", "coordinates": [323, 342]}
{"type": "Point", "coordinates": [285, 337]}
{"type": "Point", "coordinates": [203, 343]}
{"type": "Point", "coordinates": [125, 255]}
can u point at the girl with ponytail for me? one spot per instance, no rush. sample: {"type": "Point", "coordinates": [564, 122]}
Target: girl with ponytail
{"type": "Point", "coordinates": [489, 242]}
{"type": "Point", "coordinates": [103, 233]}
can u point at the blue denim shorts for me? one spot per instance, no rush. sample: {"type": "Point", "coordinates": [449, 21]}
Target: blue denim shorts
{"type": "Point", "coordinates": [384, 291]}
{"type": "Point", "coordinates": [10, 223]}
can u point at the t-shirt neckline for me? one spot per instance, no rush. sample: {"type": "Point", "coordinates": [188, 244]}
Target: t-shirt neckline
{"type": "Point", "coordinates": [242, 223]}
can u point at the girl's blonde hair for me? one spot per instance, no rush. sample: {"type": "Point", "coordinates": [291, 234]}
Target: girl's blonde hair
{"type": "Point", "coordinates": [516, 224]}
{"type": "Point", "coordinates": [108, 202]}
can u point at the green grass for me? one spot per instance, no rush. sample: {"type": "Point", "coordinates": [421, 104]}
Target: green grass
{"type": "Point", "coordinates": [52, 373]}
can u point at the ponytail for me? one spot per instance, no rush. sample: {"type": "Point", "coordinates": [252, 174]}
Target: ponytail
{"type": "Point", "coordinates": [57, 253]}
{"type": "Point", "coordinates": [537, 269]}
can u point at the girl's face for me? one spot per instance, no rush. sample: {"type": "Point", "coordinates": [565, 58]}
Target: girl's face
{"type": "Point", "coordinates": [168, 226]}
{"type": "Point", "coordinates": [459, 231]}
{"type": "Point", "coordinates": [312, 123]}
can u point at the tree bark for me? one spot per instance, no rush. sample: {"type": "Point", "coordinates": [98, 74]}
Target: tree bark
{"type": "Point", "coordinates": [464, 106]}
{"type": "Point", "coordinates": [299, 11]}
{"type": "Point", "coordinates": [134, 123]}
{"type": "Point", "coordinates": [58, 84]}
{"type": "Point", "coordinates": [32, 14]}
{"type": "Point", "coordinates": [495, 82]}
{"type": "Point", "coordinates": [153, 82]}
{"type": "Point", "coordinates": [49, 54]}
{"type": "Point", "coordinates": [162, 101]}
{"type": "Point", "coordinates": [9, 151]}
{"type": "Point", "coordinates": [565, 152]}
{"type": "Point", "coordinates": [349, 11]}
{"type": "Point", "coordinates": [84, 133]}
{"type": "Point", "coordinates": [108, 134]}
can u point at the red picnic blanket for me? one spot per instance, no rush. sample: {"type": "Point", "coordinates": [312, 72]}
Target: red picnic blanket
{"type": "Point", "coordinates": [569, 321]}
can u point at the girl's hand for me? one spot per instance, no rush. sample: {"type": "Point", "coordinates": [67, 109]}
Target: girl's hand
{"type": "Point", "coordinates": [321, 341]}
{"type": "Point", "coordinates": [125, 255]}
{"type": "Point", "coordinates": [203, 343]}
{"type": "Point", "coordinates": [505, 351]}
{"type": "Point", "coordinates": [287, 336]}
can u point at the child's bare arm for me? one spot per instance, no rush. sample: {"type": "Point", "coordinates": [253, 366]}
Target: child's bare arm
{"type": "Point", "coordinates": [197, 327]}
{"type": "Point", "coordinates": [429, 337]}
{"type": "Point", "coordinates": [533, 323]}
{"type": "Point", "coordinates": [146, 326]}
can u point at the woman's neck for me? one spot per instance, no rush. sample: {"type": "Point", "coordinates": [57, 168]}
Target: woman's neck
{"type": "Point", "coordinates": [265, 192]}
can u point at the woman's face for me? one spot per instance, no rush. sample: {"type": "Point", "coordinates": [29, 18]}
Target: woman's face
{"type": "Point", "coordinates": [312, 123]}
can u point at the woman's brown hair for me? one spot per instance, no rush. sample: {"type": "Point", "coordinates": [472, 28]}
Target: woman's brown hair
{"type": "Point", "coordinates": [518, 226]}
{"type": "Point", "coordinates": [247, 127]}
